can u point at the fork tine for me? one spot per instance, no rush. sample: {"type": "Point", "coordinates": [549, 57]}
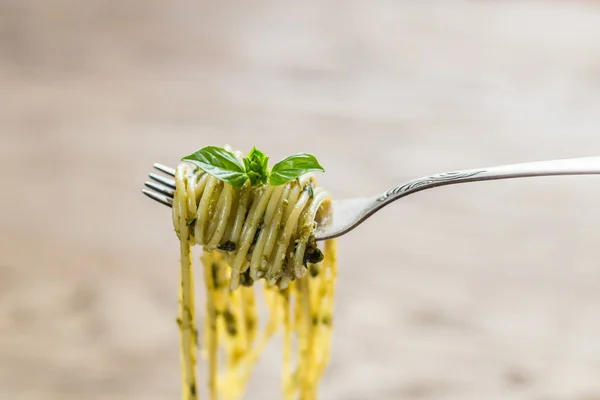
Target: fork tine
{"type": "Point", "coordinates": [167, 201]}
{"type": "Point", "coordinates": [167, 191]}
{"type": "Point", "coordinates": [162, 179]}
{"type": "Point", "coordinates": [165, 169]}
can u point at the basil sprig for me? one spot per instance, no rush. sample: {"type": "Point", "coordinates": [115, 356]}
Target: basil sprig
{"type": "Point", "coordinates": [257, 167]}
{"type": "Point", "coordinates": [224, 165]}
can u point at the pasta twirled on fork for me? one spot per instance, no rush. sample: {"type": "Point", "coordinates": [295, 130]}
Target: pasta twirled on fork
{"type": "Point", "coordinates": [256, 238]}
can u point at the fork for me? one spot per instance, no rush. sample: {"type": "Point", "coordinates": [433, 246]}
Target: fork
{"type": "Point", "coordinates": [348, 214]}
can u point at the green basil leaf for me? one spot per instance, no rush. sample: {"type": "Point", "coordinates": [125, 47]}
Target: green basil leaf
{"type": "Point", "coordinates": [220, 163]}
{"type": "Point", "coordinates": [257, 167]}
{"type": "Point", "coordinates": [292, 167]}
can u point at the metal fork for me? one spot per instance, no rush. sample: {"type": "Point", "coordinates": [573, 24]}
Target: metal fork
{"type": "Point", "coordinates": [348, 214]}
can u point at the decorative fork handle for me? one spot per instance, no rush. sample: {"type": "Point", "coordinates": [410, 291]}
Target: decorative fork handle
{"type": "Point", "coordinates": [570, 166]}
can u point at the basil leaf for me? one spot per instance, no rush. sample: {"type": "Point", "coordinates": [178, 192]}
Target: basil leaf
{"type": "Point", "coordinates": [220, 163]}
{"type": "Point", "coordinates": [257, 167]}
{"type": "Point", "coordinates": [292, 167]}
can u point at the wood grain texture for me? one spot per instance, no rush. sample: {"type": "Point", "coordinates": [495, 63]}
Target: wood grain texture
{"type": "Point", "coordinates": [483, 291]}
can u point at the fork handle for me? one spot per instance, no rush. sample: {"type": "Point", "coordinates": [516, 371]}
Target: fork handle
{"type": "Point", "coordinates": [570, 166]}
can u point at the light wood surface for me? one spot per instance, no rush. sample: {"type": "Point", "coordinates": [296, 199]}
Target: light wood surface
{"type": "Point", "coordinates": [485, 291]}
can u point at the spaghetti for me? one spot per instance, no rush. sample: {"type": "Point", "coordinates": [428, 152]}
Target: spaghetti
{"type": "Point", "coordinates": [257, 238]}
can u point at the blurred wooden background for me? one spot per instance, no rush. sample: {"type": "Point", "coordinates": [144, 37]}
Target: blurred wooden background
{"type": "Point", "coordinates": [487, 291]}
